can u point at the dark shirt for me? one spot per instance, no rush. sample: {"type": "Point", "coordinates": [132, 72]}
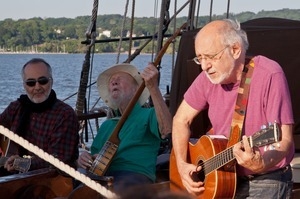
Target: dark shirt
{"type": "Point", "coordinates": [54, 130]}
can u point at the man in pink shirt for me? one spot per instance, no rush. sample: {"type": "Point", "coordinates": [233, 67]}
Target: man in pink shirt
{"type": "Point", "coordinates": [264, 172]}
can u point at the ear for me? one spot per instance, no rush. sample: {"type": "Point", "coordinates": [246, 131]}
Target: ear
{"type": "Point", "coordinates": [236, 50]}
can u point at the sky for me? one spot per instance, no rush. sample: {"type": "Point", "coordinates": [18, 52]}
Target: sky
{"type": "Point", "coordinates": [25, 9]}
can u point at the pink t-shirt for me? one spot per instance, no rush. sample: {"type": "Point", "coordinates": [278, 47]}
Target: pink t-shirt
{"type": "Point", "coordinates": [269, 101]}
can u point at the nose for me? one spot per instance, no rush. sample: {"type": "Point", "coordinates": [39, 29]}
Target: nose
{"type": "Point", "coordinates": [114, 83]}
{"type": "Point", "coordinates": [37, 85]}
{"type": "Point", "coordinates": [205, 64]}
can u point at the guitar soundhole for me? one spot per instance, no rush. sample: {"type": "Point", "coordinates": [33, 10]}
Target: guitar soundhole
{"type": "Point", "coordinates": [198, 175]}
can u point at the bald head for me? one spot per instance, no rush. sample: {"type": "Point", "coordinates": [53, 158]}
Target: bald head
{"type": "Point", "coordinates": [222, 32]}
{"type": "Point", "coordinates": [213, 29]}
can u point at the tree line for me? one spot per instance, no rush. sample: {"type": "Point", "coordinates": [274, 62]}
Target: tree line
{"type": "Point", "coordinates": [65, 35]}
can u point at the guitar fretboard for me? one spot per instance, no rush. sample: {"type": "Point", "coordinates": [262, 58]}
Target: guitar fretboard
{"type": "Point", "coordinates": [218, 161]}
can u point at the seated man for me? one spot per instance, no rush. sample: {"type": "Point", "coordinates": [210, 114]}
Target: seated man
{"type": "Point", "coordinates": [42, 119]}
{"type": "Point", "coordinates": [140, 136]}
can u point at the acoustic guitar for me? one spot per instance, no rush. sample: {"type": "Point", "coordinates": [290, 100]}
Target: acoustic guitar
{"type": "Point", "coordinates": [217, 171]}
{"type": "Point", "coordinates": [20, 164]}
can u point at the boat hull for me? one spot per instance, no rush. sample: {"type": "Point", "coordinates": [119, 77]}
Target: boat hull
{"type": "Point", "coordinates": [34, 184]}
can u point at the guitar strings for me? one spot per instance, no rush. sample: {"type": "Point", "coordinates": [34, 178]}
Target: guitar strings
{"type": "Point", "coordinates": [217, 161]}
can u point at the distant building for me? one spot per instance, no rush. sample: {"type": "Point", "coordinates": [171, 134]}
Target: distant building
{"type": "Point", "coordinates": [128, 34]}
{"type": "Point", "coordinates": [59, 31]}
{"type": "Point", "coordinates": [106, 33]}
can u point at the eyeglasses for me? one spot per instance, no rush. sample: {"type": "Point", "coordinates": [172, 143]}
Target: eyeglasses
{"type": "Point", "coordinates": [40, 80]}
{"type": "Point", "coordinates": [198, 59]}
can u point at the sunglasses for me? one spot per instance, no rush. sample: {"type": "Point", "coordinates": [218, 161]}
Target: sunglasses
{"type": "Point", "coordinates": [40, 80]}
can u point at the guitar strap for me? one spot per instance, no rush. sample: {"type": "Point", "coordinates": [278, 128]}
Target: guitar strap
{"type": "Point", "coordinates": [241, 103]}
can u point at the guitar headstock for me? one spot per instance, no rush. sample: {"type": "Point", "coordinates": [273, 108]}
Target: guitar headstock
{"type": "Point", "coordinates": [268, 135]}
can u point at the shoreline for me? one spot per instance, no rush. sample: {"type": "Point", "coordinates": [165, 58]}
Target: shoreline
{"type": "Point", "coordinates": [29, 53]}
{"type": "Point", "coordinates": [58, 53]}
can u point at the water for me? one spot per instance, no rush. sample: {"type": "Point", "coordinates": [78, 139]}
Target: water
{"type": "Point", "coordinates": [66, 74]}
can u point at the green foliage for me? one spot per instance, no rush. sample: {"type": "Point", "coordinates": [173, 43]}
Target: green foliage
{"type": "Point", "coordinates": [65, 34]}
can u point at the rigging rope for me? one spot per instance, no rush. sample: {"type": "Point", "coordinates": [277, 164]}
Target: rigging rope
{"type": "Point", "coordinates": [154, 28]}
{"type": "Point", "coordinates": [173, 53]}
{"type": "Point", "coordinates": [228, 8]}
{"type": "Point", "coordinates": [198, 10]}
{"type": "Point", "coordinates": [121, 33]}
{"type": "Point", "coordinates": [210, 10]}
{"type": "Point", "coordinates": [164, 17]}
{"type": "Point", "coordinates": [131, 28]}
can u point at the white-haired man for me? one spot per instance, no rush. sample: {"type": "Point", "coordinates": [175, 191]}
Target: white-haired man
{"type": "Point", "coordinates": [140, 136]}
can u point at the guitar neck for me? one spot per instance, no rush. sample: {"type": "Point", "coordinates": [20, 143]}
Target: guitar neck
{"type": "Point", "coordinates": [218, 160]}
{"type": "Point", "coordinates": [266, 136]}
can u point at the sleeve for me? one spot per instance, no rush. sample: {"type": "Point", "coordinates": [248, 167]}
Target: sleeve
{"type": "Point", "coordinates": [195, 96]}
{"type": "Point", "coordinates": [279, 107]}
{"type": "Point", "coordinates": [6, 117]}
